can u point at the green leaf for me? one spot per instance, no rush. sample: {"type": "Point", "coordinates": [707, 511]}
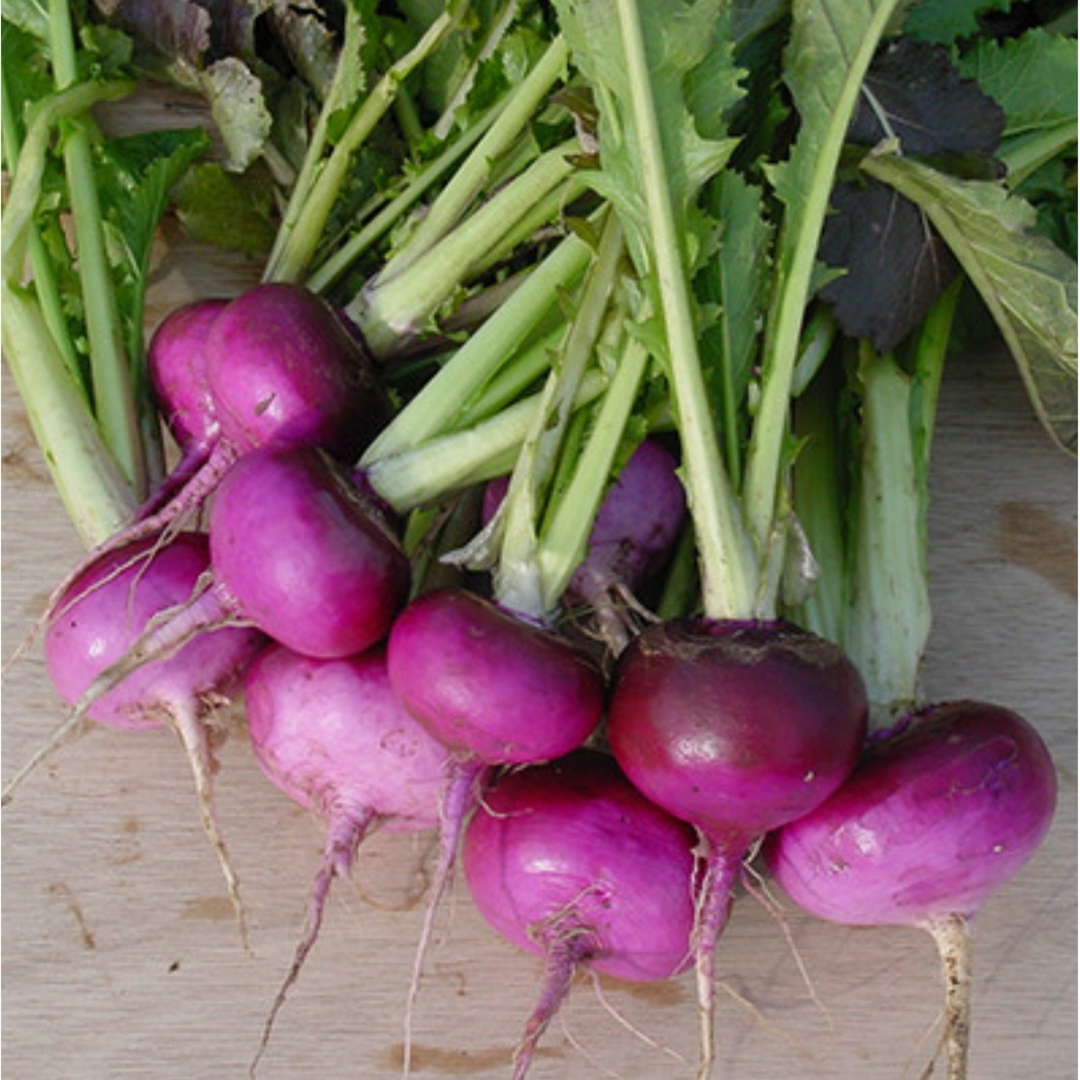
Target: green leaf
{"type": "Point", "coordinates": [1032, 77]}
{"type": "Point", "coordinates": [134, 182]}
{"type": "Point", "coordinates": [946, 21]}
{"type": "Point", "coordinates": [693, 79]}
{"type": "Point", "coordinates": [229, 210]}
{"type": "Point", "coordinates": [26, 74]}
{"type": "Point", "coordinates": [139, 173]}
{"type": "Point", "coordinates": [736, 282]}
{"type": "Point", "coordinates": [31, 16]}
{"type": "Point", "coordinates": [660, 142]}
{"type": "Point", "coordinates": [1028, 284]}
{"type": "Point", "coordinates": [827, 56]}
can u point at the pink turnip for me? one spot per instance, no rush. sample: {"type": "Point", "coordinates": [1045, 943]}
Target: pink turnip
{"type": "Point", "coordinates": [496, 690]}
{"type": "Point", "coordinates": [99, 617]}
{"type": "Point", "coordinates": [333, 736]}
{"type": "Point", "coordinates": [939, 813]}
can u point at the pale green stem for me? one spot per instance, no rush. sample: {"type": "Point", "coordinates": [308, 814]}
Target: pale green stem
{"type": "Point", "coordinates": [109, 370]}
{"type": "Point", "coordinates": [459, 459]}
{"type": "Point", "coordinates": [391, 308]}
{"type": "Point", "coordinates": [564, 540]}
{"type": "Point", "coordinates": [468, 181]}
{"type": "Point", "coordinates": [339, 262]}
{"type": "Point", "coordinates": [295, 257]}
{"type": "Point", "coordinates": [798, 250]}
{"type": "Point", "coordinates": [434, 408]}
{"type": "Point", "coordinates": [729, 574]}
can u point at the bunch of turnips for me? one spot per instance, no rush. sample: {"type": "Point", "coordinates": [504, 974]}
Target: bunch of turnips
{"type": "Point", "coordinates": [547, 494]}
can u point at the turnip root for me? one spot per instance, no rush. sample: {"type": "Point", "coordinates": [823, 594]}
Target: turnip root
{"type": "Point", "coordinates": [493, 688]}
{"type": "Point", "coordinates": [737, 728]}
{"type": "Point", "coordinates": [569, 861]}
{"type": "Point", "coordinates": [939, 813]}
{"type": "Point", "coordinates": [333, 736]}
{"type": "Point", "coordinates": [104, 611]}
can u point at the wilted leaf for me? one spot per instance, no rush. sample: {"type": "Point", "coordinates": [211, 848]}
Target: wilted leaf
{"type": "Point", "coordinates": [238, 110]}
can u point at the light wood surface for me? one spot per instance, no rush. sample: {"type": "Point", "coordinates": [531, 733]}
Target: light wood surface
{"type": "Point", "coordinates": [121, 958]}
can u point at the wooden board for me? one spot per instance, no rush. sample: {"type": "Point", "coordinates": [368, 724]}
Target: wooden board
{"type": "Point", "coordinates": [121, 958]}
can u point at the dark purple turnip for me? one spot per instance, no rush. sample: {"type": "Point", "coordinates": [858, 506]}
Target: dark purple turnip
{"type": "Point", "coordinates": [737, 728]}
{"type": "Point", "coordinates": [569, 861]}
{"type": "Point", "coordinates": [939, 813]}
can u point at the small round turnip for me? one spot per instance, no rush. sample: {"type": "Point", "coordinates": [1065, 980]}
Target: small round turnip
{"type": "Point", "coordinates": [105, 610]}
{"type": "Point", "coordinates": [938, 814]}
{"type": "Point", "coordinates": [569, 861]}
{"type": "Point", "coordinates": [496, 690]}
{"type": "Point", "coordinates": [332, 735]}
{"type": "Point", "coordinates": [736, 727]}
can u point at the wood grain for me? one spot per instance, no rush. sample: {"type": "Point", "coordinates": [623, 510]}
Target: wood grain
{"type": "Point", "coordinates": [121, 959]}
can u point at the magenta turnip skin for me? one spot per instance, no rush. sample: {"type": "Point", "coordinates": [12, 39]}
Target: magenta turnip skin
{"type": "Point", "coordinates": [105, 609]}
{"type": "Point", "coordinates": [284, 371]}
{"type": "Point", "coordinates": [569, 861]}
{"type": "Point", "coordinates": [497, 691]}
{"type": "Point", "coordinates": [736, 727]}
{"type": "Point", "coordinates": [297, 551]}
{"type": "Point", "coordinates": [176, 362]}
{"type": "Point", "coordinates": [101, 616]}
{"type": "Point", "coordinates": [333, 736]}
{"type": "Point", "coordinates": [938, 814]}
{"type": "Point", "coordinates": [635, 528]}
{"type": "Point", "coordinates": [272, 367]}
{"type": "Point", "coordinates": [487, 683]}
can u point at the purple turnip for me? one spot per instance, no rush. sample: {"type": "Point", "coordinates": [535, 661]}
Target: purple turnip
{"type": "Point", "coordinates": [737, 728]}
{"type": "Point", "coordinates": [276, 368]}
{"type": "Point", "coordinates": [332, 735]}
{"type": "Point", "coordinates": [298, 550]}
{"type": "Point", "coordinates": [940, 812]}
{"type": "Point", "coordinates": [294, 552]}
{"type": "Point", "coordinates": [104, 611]}
{"type": "Point", "coordinates": [632, 536]}
{"type": "Point", "coordinates": [496, 690]}
{"type": "Point", "coordinates": [569, 861]}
